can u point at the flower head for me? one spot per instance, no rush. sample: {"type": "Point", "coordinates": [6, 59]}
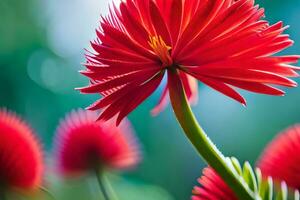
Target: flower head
{"type": "Point", "coordinates": [212, 187]}
{"type": "Point", "coordinates": [82, 144]}
{"type": "Point", "coordinates": [21, 160]}
{"type": "Point", "coordinates": [225, 44]}
{"type": "Point", "coordinates": [280, 159]}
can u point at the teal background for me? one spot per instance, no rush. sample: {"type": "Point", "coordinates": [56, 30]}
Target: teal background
{"type": "Point", "coordinates": [41, 48]}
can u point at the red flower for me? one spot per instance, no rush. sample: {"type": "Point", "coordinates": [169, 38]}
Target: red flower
{"type": "Point", "coordinates": [21, 163]}
{"type": "Point", "coordinates": [82, 144]}
{"type": "Point", "coordinates": [281, 158]}
{"type": "Point", "coordinates": [225, 44]}
{"type": "Point", "coordinates": [212, 187]}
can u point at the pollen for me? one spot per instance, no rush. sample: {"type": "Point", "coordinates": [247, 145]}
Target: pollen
{"type": "Point", "coordinates": [161, 49]}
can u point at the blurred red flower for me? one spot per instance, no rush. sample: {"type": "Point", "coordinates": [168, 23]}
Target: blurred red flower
{"type": "Point", "coordinates": [225, 44]}
{"type": "Point", "coordinates": [82, 144]}
{"type": "Point", "coordinates": [21, 160]}
{"type": "Point", "coordinates": [281, 158]}
{"type": "Point", "coordinates": [212, 187]}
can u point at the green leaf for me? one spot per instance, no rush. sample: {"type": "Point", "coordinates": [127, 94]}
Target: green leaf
{"type": "Point", "coordinates": [266, 189]}
{"type": "Point", "coordinates": [263, 188]}
{"type": "Point", "coordinates": [296, 195]}
{"type": "Point", "coordinates": [236, 165]}
{"type": "Point", "coordinates": [283, 192]}
{"type": "Point", "coordinates": [258, 177]}
{"type": "Point", "coordinates": [249, 177]}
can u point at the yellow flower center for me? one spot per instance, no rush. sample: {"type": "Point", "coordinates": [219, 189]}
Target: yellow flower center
{"type": "Point", "coordinates": [161, 49]}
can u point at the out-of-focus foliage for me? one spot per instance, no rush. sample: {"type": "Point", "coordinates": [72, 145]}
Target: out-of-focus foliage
{"type": "Point", "coordinates": [41, 48]}
{"type": "Point", "coordinates": [88, 188]}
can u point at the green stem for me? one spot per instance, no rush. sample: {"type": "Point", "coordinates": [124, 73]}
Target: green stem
{"type": "Point", "coordinates": [47, 192]}
{"type": "Point", "coordinates": [200, 140]}
{"type": "Point", "coordinates": [102, 185]}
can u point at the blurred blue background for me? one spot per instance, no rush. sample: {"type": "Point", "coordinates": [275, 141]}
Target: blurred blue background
{"type": "Point", "coordinates": [41, 48]}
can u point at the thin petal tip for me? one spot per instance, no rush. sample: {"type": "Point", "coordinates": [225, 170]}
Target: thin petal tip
{"type": "Point", "coordinates": [154, 112]}
{"type": "Point", "coordinates": [79, 89]}
{"type": "Point", "coordinates": [295, 84]}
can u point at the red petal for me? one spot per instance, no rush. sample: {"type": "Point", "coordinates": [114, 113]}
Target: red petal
{"type": "Point", "coordinates": [162, 103]}
{"type": "Point", "coordinates": [223, 88]}
{"type": "Point", "coordinates": [116, 38]}
{"type": "Point", "coordinates": [159, 23]}
{"type": "Point", "coordinates": [119, 81]}
{"type": "Point", "coordinates": [190, 85]}
{"type": "Point", "coordinates": [134, 97]}
{"type": "Point", "coordinates": [112, 53]}
{"type": "Point", "coordinates": [255, 87]}
{"type": "Point", "coordinates": [143, 7]}
{"type": "Point", "coordinates": [134, 28]}
{"type": "Point", "coordinates": [174, 20]}
{"type": "Point", "coordinates": [100, 73]}
{"type": "Point", "coordinates": [206, 12]}
{"type": "Point", "coordinates": [138, 96]}
{"type": "Point", "coordinates": [247, 75]}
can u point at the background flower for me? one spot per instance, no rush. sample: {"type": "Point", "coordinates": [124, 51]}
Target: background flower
{"type": "Point", "coordinates": [212, 187]}
{"type": "Point", "coordinates": [206, 40]}
{"type": "Point", "coordinates": [83, 145]}
{"type": "Point", "coordinates": [21, 162]}
{"type": "Point", "coordinates": [280, 158]}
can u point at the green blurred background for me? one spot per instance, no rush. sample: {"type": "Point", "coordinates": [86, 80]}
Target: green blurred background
{"type": "Point", "coordinates": [41, 48]}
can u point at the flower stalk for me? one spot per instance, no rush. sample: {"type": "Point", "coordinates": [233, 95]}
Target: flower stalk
{"type": "Point", "coordinates": [102, 186]}
{"type": "Point", "coordinates": [200, 140]}
{"type": "Point", "coordinates": [47, 193]}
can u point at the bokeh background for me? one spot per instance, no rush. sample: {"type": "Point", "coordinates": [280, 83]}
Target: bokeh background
{"type": "Point", "coordinates": [41, 47]}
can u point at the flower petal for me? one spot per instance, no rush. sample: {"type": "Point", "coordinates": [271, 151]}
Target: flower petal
{"type": "Point", "coordinates": [162, 103]}
{"type": "Point", "coordinates": [223, 88]}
